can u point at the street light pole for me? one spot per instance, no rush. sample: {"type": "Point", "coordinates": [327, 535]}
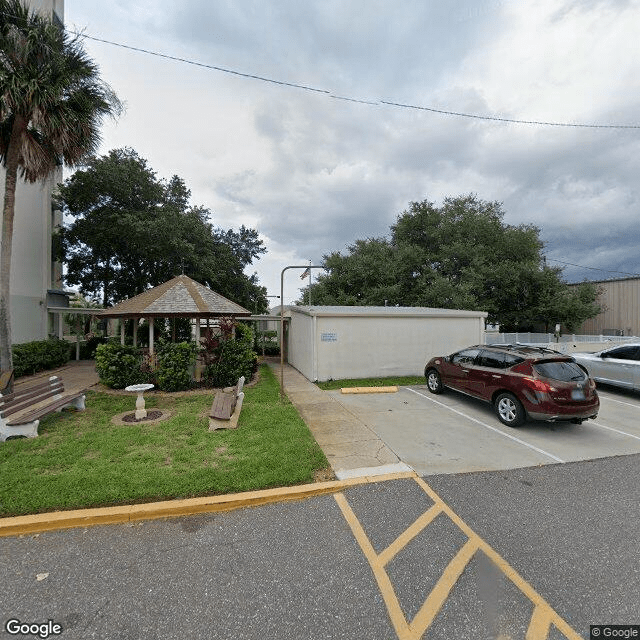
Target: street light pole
{"type": "Point", "coordinates": [293, 266]}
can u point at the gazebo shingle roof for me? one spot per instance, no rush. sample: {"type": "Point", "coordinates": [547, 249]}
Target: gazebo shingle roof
{"type": "Point", "coordinates": [180, 296]}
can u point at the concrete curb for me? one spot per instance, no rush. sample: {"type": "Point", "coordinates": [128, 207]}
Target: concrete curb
{"type": "Point", "coordinates": [24, 525]}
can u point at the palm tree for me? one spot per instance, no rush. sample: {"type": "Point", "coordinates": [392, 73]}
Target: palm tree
{"type": "Point", "coordinates": [52, 102]}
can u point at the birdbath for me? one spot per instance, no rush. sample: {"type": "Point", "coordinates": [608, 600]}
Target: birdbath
{"type": "Point", "coordinates": [141, 412]}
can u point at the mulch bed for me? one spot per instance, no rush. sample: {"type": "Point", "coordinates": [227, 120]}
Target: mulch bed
{"type": "Point", "coordinates": [152, 414]}
{"type": "Point", "coordinates": [129, 418]}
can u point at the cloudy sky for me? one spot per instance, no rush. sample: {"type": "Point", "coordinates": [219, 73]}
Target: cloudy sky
{"type": "Point", "coordinates": [313, 172]}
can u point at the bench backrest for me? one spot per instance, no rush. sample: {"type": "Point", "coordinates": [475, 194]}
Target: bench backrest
{"type": "Point", "coordinates": [23, 398]}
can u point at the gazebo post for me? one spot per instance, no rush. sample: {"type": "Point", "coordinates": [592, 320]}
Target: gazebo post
{"type": "Point", "coordinates": [197, 371]}
{"type": "Point", "coordinates": [122, 321]}
{"type": "Point", "coordinates": [151, 335]}
{"type": "Point", "coordinates": [135, 332]}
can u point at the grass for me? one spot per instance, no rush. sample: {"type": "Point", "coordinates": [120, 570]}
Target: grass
{"type": "Point", "coordinates": [82, 460]}
{"type": "Point", "coordinates": [371, 382]}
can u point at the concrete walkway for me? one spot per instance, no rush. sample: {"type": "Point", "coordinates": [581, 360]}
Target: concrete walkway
{"type": "Point", "coordinates": [77, 375]}
{"type": "Point", "coordinates": [352, 449]}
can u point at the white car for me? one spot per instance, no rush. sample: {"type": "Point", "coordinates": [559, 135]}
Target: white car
{"type": "Point", "coordinates": [619, 365]}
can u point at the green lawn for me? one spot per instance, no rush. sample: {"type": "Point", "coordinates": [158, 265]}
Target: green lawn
{"type": "Point", "coordinates": [83, 460]}
{"type": "Point", "coordinates": [371, 382]}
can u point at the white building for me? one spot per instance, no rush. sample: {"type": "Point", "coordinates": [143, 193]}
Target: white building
{"type": "Point", "coordinates": [333, 343]}
{"type": "Point", "coordinates": [36, 280]}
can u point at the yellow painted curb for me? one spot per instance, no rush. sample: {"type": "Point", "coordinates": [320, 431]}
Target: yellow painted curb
{"type": "Point", "coordinates": [369, 390]}
{"type": "Point", "coordinates": [23, 525]}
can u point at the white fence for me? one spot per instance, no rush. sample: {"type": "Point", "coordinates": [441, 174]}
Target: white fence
{"type": "Point", "coordinates": [548, 338]}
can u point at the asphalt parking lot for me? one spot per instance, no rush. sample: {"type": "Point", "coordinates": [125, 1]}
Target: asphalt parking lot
{"type": "Point", "coordinates": [454, 433]}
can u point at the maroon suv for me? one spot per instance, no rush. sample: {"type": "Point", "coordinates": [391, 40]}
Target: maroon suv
{"type": "Point", "coordinates": [519, 381]}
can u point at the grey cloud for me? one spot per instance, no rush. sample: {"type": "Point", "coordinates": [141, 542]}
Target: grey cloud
{"type": "Point", "coordinates": [366, 49]}
{"type": "Point", "coordinates": [321, 172]}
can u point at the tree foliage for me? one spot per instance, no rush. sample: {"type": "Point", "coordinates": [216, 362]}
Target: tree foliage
{"type": "Point", "coordinates": [52, 102]}
{"type": "Point", "coordinates": [132, 230]}
{"type": "Point", "coordinates": [462, 256]}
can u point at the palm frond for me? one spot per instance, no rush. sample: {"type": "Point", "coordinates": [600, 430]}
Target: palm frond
{"type": "Point", "coordinates": [48, 80]}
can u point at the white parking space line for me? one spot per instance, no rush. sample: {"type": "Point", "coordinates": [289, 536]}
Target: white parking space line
{"type": "Point", "coordinates": [604, 426]}
{"type": "Point", "coordinates": [609, 398]}
{"type": "Point", "coordinates": [487, 426]}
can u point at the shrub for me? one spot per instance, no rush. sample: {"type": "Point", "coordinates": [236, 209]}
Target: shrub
{"type": "Point", "coordinates": [233, 358]}
{"type": "Point", "coordinates": [31, 357]}
{"type": "Point", "coordinates": [88, 348]}
{"type": "Point", "coordinates": [175, 361]}
{"type": "Point", "coordinates": [119, 366]}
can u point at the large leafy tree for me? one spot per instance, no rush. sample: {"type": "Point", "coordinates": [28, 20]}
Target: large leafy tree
{"type": "Point", "coordinates": [131, 231]}
{"type": "Point", "coordinates": [52, 101]}
{"type": "Point", "coordinates": [460, 255]}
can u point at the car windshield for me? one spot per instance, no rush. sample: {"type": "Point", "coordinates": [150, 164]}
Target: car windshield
{"type": "Point", "coordinates": [564, 371]}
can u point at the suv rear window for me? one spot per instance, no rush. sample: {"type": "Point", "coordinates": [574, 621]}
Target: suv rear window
{"type": "Point", "coordinates": [561, 370]}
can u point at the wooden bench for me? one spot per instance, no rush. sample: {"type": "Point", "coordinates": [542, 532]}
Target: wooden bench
{"type": "Point", "coordinates": [26, 422]}
{"type": "Point", "coordinates": [226, 406]}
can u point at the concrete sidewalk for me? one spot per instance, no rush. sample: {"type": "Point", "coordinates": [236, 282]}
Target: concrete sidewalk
{"type": "Point", "coordinates": [352, 449]}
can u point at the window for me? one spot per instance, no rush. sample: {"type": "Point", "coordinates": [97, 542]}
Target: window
{"type": "Point", "coordinates": [498, 359]}
{"type": "Point", "coordinates": [511, 361]}
{"type": "Point", "coordinates": [465, 357]}
{"type": "Point", "coordinates": [493, 359]}
{"type": "Point", "coordinates": [561, 371]}
{"type": "Point", "coordinates": [623, 353]}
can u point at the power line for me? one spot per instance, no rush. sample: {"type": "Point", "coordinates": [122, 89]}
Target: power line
{"type": "Point", "coordinates": [201, 64]}
{"type": "Point", "coordinates": [351, 99]}
{"type": "Point", "coordinates": [304, 87]}
{"type": "Point", "coordinates": [497, 119]}
{"type": "Point", "coordinates": [594, 268]}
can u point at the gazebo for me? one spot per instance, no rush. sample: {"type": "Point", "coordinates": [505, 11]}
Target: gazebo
{"type": "Point", "coordinates": [180, 297]}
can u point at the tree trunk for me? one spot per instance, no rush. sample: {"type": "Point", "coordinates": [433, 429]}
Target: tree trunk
{"type": "Point", "coordinates": [8, 212]}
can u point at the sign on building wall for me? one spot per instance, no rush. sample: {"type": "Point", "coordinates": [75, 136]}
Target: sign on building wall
{"type": "Point", "coordinates": [328, 337]}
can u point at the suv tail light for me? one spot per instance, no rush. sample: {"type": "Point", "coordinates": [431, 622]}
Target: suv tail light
{"type": "Point", "coordinates": [538, 385]}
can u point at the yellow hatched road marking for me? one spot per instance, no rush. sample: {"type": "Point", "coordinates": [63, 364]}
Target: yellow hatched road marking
{"type": "Point", "coordinates": [503, 565]}
{"type": "Point", "coordinates": [543, 615]}
{"type": "Point", "coordinates": [539, 624]}
{"type": "Point", "coordinates": [409, 534]}
{"type": "Point", "coordinates": [386, 589]}
{"type": "Point", "coordinates": [441, 591]}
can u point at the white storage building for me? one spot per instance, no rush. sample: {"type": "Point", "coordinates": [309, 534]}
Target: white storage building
{"type": "Point", "coordinates": [332, 343]}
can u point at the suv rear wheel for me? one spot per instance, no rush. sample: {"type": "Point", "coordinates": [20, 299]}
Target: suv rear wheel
{"type": "Point", "coordinates": [434, 382]}
{"type": "Point", "coordinates": [510, 410]}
